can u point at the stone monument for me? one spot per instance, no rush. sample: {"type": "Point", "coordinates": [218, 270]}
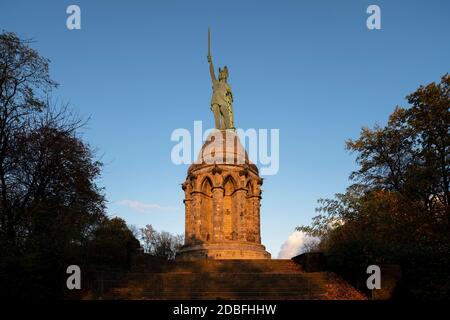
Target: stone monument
{"type": "Point", "coordinates": [222, 190]}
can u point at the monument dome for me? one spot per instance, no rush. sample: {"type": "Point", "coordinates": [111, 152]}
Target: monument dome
{"type": "Point", "coordinates": [223, 146]}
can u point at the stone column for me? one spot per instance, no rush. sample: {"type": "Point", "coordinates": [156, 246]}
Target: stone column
{"type": "Point", "coordinates": [241, 215]}
{"type": "Point", "coordinates": [257, 210]}
{"type": "Point", "coordinates": [217, 216]}
{"type": "Point", "coordinates": [250, 218]}
{"type": "Point", "coordinates": [195, 209]}
{"type": "Point", "coordinates": [257, 220]}
{"type": "Point", "coordinates": [189, 219]}
{"type": "Point", "coordinates": [196, 215]}
{"type": "Point", "coordinates": [188, 222]}
{"type": "Point", "coordinates": [253, 211]}
{"type": "Point", "coordinates": [217, 194]}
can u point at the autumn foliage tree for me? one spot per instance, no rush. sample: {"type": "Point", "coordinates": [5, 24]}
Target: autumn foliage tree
{"type": "Point", "coordinates": [397, 209]}
{"type": "Point", "coordinates": [51, 209]}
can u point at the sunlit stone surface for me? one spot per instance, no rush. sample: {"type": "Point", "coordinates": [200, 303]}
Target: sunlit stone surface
{"type": "Point", "coordinates": [222, 203]}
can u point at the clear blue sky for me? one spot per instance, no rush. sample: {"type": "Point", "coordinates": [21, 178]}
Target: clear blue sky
{"type": "Point", "coordinates": [309, 68]}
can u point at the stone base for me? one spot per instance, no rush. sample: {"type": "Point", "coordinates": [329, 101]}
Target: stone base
{"type": "Point", "coordinates": [223, 251]}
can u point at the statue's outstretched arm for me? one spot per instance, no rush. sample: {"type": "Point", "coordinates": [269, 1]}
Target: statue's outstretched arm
{"type": "Point", "coordinates": [211, 70]}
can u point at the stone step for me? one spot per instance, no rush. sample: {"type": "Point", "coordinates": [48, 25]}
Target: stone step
{"type": "Point", "coordinates": [176, 275]}
{"type": "Point", "coordinates": [221, 296]}
{"type": "Point", "coordinates": [214, 294]}
{"type": "Point", "coordinates": [227, 279]}
{"type": "Point", "coordinates": [255, 291]}
{"type": "Point", "coordinates": [265, 266]}
{"type": "Point", "coordinates": [279, 288]}
{"type": "Point", "coordinates": [178, 279]}
{"type": "Point", "coordinates": [222, 286]}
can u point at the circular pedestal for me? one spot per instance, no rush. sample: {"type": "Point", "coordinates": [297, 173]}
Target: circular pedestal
{"type": "Point", "coordinates": [223, 251]}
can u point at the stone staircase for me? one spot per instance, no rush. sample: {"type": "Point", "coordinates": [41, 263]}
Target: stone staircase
{"type": "Point", "coordinates": [231, 279]}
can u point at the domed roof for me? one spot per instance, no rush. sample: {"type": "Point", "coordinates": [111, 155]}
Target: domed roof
{"type": "Point", "coordinates": [223, 147]}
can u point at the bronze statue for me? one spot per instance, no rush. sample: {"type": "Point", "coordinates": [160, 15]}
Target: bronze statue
{"type": "Point", "coordinates": [222, 98]}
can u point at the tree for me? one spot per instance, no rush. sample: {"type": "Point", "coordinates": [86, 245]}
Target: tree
{"type": "Point", "coordinates": [52, 211]}
{"type": "Point", "coordinates": [24, 84]}
{"type": "Point", "coordinates": [411, 154]}
{"type": "Point", "coordinates": [397, 209]}
{"type": "Point", "coordinates": [113, 244]}
{"type": "Point", "coordinates": [429, 117]}
{"type": "Point", "coordinates": [160, 244]}
{"type": "Point", "coordinates": [46, 171]}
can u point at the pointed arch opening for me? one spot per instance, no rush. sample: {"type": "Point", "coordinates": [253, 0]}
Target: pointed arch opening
{"type": "Point", "coordinates": [206, 209]}
{"type": "Point", "coordinates": [206, 186]}
{"type": "Point", "coordinates": [229, 185]}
